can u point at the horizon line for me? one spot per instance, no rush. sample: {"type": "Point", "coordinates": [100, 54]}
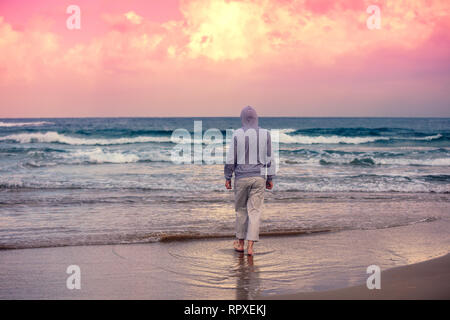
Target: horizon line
{"type": "Point", "coordinates": [259, 116]}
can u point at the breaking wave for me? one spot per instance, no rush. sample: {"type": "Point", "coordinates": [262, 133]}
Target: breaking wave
{"type": "Point", "coordinates": [302, 139]}
{"type": "Point", "coordinates": [99, 155]}
{"type": "Point", "coordinates": [23, 124]}
{"type": "Point", "coordinates": [287, 136]}
{"type": "Point", "coordinates": [55, 137]}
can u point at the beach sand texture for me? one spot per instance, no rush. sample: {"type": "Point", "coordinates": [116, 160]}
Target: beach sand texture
{"type": "Point", "coordinates": [425, 280]}
{"type": "Point", "coordinates": [210, 269]}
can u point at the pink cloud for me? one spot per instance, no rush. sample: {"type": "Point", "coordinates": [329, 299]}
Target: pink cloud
{"type": "Point", "coordinates": [227, 51]}
{"type": "Point", "coordinates": [325, 6]}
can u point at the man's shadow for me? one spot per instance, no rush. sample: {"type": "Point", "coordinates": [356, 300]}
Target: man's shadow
{"type": "Point", "coordinates": [247, 275]}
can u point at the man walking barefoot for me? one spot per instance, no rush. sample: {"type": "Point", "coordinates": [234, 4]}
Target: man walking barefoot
{"type": "Point", "coordinates": [248, 157]}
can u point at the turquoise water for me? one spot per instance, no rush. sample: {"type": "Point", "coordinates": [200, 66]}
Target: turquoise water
{"type": "Point", "coordinates": [111, 180]}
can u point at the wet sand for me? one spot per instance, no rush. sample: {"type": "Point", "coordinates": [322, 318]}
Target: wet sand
{"type": "Point", "coordinates": [424, 280]}
{"type": "Point", "coordinates": [210, 269]}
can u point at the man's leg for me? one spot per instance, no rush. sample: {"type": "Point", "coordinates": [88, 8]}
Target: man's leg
{"type": "Point", "coordinates": [241, 229]}
{"type": "Point", "coordinates": [254, 206]}
{"type": "Point", "coordinates": [241, 189]}
{"type": "Point", "coordinates": [239, 245]}
{"type": "Point", "coordinates": [241, 224]}
{"type": "Point", "coordinates": [250, 247]}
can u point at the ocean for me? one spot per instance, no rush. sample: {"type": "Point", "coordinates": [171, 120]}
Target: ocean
{"type": "Point", "coordinates": [89, 181]}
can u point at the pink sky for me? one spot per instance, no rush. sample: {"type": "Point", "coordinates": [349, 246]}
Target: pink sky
{"type": "Point", "coordinates": [211, 58]}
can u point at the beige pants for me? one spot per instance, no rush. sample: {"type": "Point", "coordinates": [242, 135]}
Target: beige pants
{"type": "Point", "coordinates": [249, 199]}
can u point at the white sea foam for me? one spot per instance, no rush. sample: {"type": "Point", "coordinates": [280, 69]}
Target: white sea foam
{"type": "Point", "coordinates": [348, 159]}
{"type": "Point", "coordinates": [23, 124]}
{"type": "Point", "coordinates": [302, 139]}
{"type": "Point", "coordinates": [428, 138]}
{"type": "Point", "coordinates": [334, 139]}
{"type": "Point", "coordinates": [98, 155]}
{"type": "Point", "coordinates": [55, 137]}
{"type": "Point", "coordinates": [415, 162]}
{"type": "Point", "coordinates": [286, 130]}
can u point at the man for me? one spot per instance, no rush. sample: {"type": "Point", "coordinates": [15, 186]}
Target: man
{"type": "Point", "coordinates": [249, 157]}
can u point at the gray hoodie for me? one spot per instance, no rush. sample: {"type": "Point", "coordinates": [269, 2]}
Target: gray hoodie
{"type": "Point", "coordinates": [250, 149]}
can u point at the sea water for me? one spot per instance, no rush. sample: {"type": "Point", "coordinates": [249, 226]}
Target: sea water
{"type": "Point", "coordinates": [111, 180]}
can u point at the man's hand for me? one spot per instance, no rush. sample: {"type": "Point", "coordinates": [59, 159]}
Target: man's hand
{"type": "Point", "coordinates": [228, 184]}
{"type": "Point", "coordinates": [269, 185]}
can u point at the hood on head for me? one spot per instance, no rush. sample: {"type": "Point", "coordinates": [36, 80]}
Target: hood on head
{"type": "Point", "coordinates": [249, 118]}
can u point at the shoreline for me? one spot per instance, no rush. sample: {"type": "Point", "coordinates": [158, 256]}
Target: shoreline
{"type": "Point", "coordinates": [427, 280]}
{"type": "Point", "coordinates": [316, 265]}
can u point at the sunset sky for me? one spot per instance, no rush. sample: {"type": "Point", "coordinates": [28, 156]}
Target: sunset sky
{"type": "Point", "coordinates": [212, 57]}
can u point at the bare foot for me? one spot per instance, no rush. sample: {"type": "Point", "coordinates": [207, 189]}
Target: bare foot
{"type": "Point", "coordinates": [250, 248]}
{"type": "Point", "coordinates": [239, 245]}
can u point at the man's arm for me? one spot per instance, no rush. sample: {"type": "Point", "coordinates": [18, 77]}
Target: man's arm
{"type": "Point", "coordinates": [230, 163]}
{"type": "Point", "coordinates": [271, 164]}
